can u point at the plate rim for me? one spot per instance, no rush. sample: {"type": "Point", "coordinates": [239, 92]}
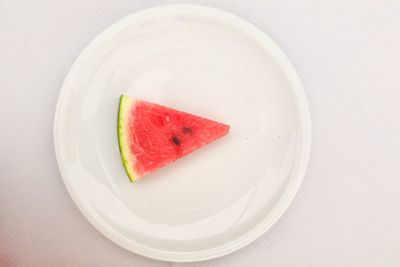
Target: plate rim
{"type": "Point", "coordinates": [305, 123]}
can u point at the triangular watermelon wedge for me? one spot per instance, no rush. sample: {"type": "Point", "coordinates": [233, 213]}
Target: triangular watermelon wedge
{"type": "Point", "coordinates": [151, 136]}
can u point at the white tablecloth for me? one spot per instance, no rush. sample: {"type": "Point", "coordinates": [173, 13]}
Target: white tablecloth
{"type": "Point", "coordinates": [347, 212]}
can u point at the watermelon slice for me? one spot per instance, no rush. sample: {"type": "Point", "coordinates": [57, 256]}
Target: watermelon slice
{"type": "Point", "coordinates": [151, 136]}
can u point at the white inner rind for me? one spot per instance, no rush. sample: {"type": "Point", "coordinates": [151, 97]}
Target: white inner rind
{"type": "Point", "coordinates": [124, 117]}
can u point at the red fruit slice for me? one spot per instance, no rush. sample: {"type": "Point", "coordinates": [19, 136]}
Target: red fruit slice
{"type": "Point", "coordinates": [151, 136]}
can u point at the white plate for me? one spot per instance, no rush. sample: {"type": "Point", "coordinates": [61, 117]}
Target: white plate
{"type": "Point", "coordinates": [206, 62]}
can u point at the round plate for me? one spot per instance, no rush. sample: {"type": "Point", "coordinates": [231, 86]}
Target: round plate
{"type": "Point", "coordinates": [203, 61]}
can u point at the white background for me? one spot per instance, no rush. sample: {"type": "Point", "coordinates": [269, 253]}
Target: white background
{"type": "Point", "coordinates": [347, 212]}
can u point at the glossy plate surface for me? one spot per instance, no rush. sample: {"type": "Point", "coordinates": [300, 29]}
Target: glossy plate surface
{"type": "Point", "coordinates": [206, 62]}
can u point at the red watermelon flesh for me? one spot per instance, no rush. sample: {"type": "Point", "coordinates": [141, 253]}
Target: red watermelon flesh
{"type": "Point", "coordinates": [152, 136]}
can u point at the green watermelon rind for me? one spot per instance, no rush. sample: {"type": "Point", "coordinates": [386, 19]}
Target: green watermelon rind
{"type": "Point", "coordinates": [125, 106]}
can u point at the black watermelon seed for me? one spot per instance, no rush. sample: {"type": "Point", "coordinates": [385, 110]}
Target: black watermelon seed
{"type": "Point", "coordinates": [187, 130]}
{"type": "Point", "coordinates": [176, 140]}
